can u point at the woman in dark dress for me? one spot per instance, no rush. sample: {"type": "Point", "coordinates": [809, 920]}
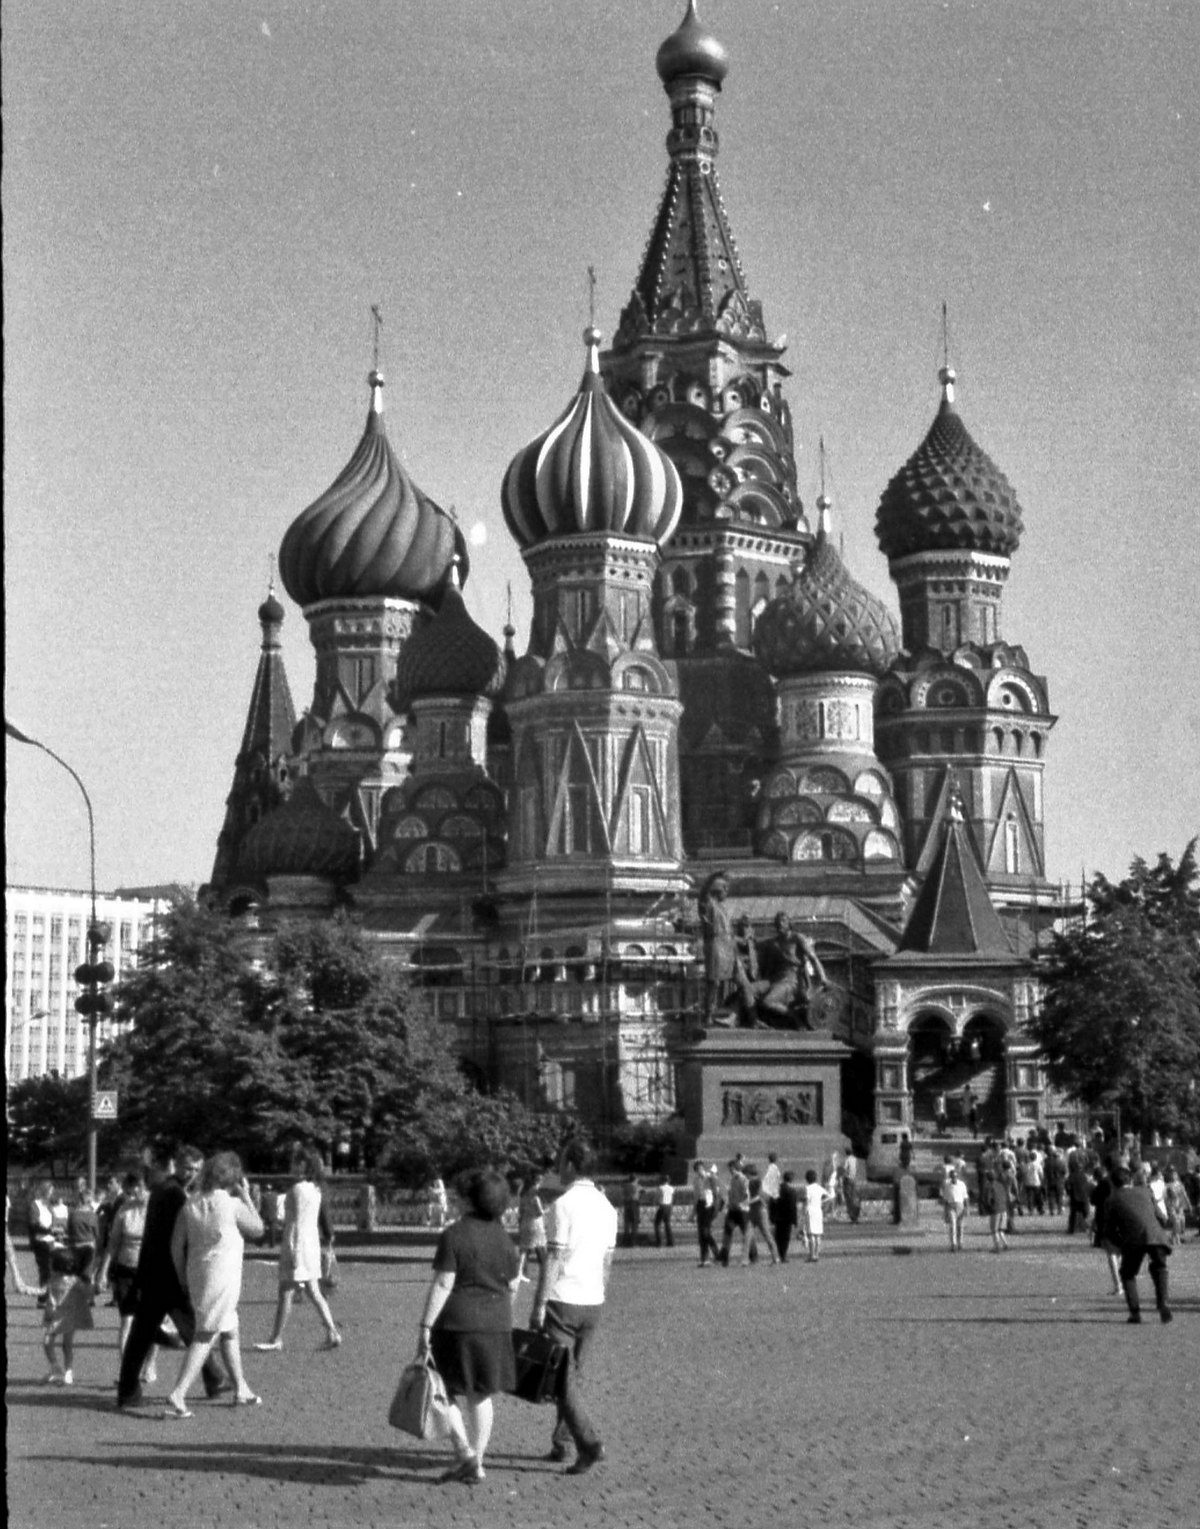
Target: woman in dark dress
{"type": "Point", "coordinates": [467, 1322]}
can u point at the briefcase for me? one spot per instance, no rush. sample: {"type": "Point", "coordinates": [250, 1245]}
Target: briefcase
{"type": "Point", "coordinates": [541, 1366]}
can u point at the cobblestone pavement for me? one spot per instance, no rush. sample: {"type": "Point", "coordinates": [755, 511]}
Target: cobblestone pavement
{"type": "Point", "coordinates": [892, 1384]}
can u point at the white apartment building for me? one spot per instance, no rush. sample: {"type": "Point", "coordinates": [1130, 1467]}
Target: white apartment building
{"type": "Point", "coordinates": [44, 939]}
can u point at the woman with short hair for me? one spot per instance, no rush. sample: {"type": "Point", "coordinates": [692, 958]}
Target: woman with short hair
{"type": "Point", "coordinates": [300, 1253]}
{"type": "Point", "coordinates": [207, 1247]}
{"type": "Point", "coordinates": [467, 1321]}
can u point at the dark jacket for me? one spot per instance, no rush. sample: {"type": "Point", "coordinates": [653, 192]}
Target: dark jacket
{"type": "Point", "coordinates": [156, 1268]}
{"type": "Point", "coordinates": [1130, 1220]}
{"type": "Point", "coordinates": [787, 1209]}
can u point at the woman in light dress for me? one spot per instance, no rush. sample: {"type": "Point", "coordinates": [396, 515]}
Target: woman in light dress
{"type": "Point", "coordinates": [300, 1254]}
{"type": "Point", "coordinates": [207, 1247]}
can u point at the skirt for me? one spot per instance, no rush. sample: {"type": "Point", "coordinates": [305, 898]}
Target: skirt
{"type": "Point", "coordinates": [472, 1364]}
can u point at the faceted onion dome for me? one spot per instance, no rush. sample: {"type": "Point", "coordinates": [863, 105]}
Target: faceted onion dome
{"type": "Point", "coordinates": [949, 495]}
{"type": "Point", "coordinates": [826, 623]}
{"type": "Point", "coordinates": [303, 837]}
{"type": "Point", "coordinates": [451, 655]}
{"type": "Point", "coordinates": [592, 471]}
{"type": "Point", "coordinates": [373, 532]}
{"type": "Point", "coordinates": [690, 49]}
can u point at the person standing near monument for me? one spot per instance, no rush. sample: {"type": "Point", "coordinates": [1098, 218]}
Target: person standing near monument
{"type": "Point", "coordinates": [664, 1200]}
{"type": "Point", "coordinates": [772, 1179]}
{"type": "Point", "coordinates": [815, 1196]}
{"type": "Point", "coordinates": [737, 1213]}
{"type": "Point", "coordinates": [704, 1199]}
{"type": "Point", "coordinates": [954, 1198]}
{"type": "Point", "coordinates": [581, 1234]}
{"type": "Point", "coordinates": [787, 1215]}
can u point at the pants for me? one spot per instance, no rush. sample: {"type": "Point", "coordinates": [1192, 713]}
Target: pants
{"type": "Point", "coordinates": [662, 1223]}
{"type": "Point", "coordinates": [152, 1307]}
{"type": "Point", "coordinates": [783, 1237]}
{"type": "Point", "coordinates": [576, 1328]}
{"type": "Point", "coordinates": [708, 1243]}
{"type": "Point", "coordinates": [1131, 1263]}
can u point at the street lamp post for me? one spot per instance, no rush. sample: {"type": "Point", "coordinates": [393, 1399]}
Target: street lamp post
{"type": "Point", "coordinates": [97, 973]}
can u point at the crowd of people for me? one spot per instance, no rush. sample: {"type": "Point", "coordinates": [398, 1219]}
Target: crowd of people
{"type": "Point", "coordinates": [169, 1244]}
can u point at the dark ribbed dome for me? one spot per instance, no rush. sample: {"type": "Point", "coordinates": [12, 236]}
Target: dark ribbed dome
{"type": "Point", "coordinates": [691, 49]}
{"type": "Point", "coordinates": [373, 532]}
{"type": "Point", "coordinates": [303, 837]}
{"type": "Point", "coordinates": [450, 655]}
{"type": "Point", "coordinates": [827, 622]}
{"type": "Point", "coordinates": [949, 495]}
{"type": "Point", "coordinates": [270, 612]}
{"type": "Point", "coordinates": [592, 471]}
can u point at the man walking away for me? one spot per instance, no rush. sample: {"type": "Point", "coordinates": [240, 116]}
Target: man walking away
{"type": "Point", "coordinates": [664, 1200]}
{"type": "Point", "coordinates": [581, 1234]}
{"type": "Point", "coordinates": [1130, 1223]}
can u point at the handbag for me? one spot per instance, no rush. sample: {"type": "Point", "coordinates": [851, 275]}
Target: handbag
{"type": "Point", "coordinates": [420, 1406]}
{"type": "Point", "coordinates": [329, 1270]}
{"type": "Point", "coordinates": [541, 1367]}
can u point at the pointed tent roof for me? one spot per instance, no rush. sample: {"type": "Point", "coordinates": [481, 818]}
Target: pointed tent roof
{"type": "Point", "coordinates": [266, 738]}
{"type": "Point", "coordinates": [953, 915]}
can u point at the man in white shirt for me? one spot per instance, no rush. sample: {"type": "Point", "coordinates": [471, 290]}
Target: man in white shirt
{"type": "Point", "coordinates": [581, 1234]}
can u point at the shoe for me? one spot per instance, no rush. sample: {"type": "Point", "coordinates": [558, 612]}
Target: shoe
{"type": "Point", "coordinates": [467, 1470]}
{"type": "Point", "coordinates": [1165, 1314]}
{"type": "Point", "coordinates": [174, 1412]}
{"type": "Point", "coordinates": [334, 1340]}
{"type": "Point", "coordinates": [587, 1458]}
{"type": "Point", "coordinates": [212, 1392]}
{"type": "Point", "coordinates": [68, 1377]}
{"type": "Point", "coordinates": [558, 1453]}
{"type": "Point", "coordinates": [134, 1399]}
{"type": "Point", "coordinates": [1135, 1316]}
{"type": "Point", "coordinates": [249, 1400]}
{"type": "Point", "coordinates": [54, 1378]}
{"type": "Point", "coordinates": [270, 1348]}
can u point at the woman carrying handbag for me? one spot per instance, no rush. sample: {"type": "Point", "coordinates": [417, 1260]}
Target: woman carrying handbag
{"type": "Point", "coordinates": [467, 1323]}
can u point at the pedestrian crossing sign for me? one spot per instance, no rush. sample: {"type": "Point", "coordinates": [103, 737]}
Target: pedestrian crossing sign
{"type": "Point", "coordinates": [106, 1105]}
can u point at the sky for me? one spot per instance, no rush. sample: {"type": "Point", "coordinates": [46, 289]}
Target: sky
{"type": "Point", "coordinates": [201, 202]}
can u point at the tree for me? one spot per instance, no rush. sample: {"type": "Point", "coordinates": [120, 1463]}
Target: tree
{"type": "Point", "coordinates": [313, 1040]}
{"type": "Point", "coordinates": [1119, 1024]}
{"type": "Point", "coordinates": [47, 1122]}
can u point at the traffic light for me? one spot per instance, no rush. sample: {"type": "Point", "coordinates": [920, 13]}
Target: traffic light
{"type": "Point", "coordinates": [94, 975]}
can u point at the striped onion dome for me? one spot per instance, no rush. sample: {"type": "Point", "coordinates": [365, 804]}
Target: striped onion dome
{"type": "Point", "coordinates": [373, 532]}
{"type": "Point", "coordinates": [691, 49]}
{"type": "Point", "coordinates": [450, 655]}
{"type": "Point", "coordinates": [827, 622]}
{"type": "Point", "coordinates": [303, 837]}
{"type": "Point", "coordinates": [592, 471]}
{"type": "Point", "coordinates": [949, 495]}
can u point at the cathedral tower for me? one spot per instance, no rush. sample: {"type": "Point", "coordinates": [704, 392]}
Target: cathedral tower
{"type": "Point", "coordinates": [366, 561]}
{"type": "Point", "coordinates": [592, 707]}
{"type": "Point", "coordinates": [692, 365]}
{"type": "Point", "coordinates": [960, 709]}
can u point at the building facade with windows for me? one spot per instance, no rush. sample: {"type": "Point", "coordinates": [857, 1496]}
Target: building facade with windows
{"type": "Point", "coordinates": [704, 686]}
{"type": "Point", "coordinates": [45, 932]}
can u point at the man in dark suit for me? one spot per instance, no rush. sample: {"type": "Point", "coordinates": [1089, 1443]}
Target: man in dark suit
{"type": "Point", "coordinates": [787, 1214]}
{"type": "Point", "coordinates": [1130, 1221]}
{"type": "Point", "coordinates": [159, 1292]}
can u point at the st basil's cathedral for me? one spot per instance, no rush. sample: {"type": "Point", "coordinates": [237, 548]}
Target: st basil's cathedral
{"type": "Point", "coordinates": [705, 688]}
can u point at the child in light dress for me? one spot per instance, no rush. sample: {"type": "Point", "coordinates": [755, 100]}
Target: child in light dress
{"type": "Point", "coordinates": [68, 1310]}
{"type": "Point", "coordinates": [815, 1198]}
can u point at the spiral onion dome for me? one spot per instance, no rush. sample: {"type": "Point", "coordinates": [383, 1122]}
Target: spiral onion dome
{"type": "Point", "coordinates": [303, 837]}
{"type": "Point", "coordinates": [450, 655]}
{"type": "Point", "coordinates": [826, 623]}
{"type": "Point", "coordinates": [949, 495]}
{"type": "Point", "coordinates": [592, 471]}
{"type": "Point", "coordinates": [691, 49]}
{"type": "Point", "coordinates": [373, 532]}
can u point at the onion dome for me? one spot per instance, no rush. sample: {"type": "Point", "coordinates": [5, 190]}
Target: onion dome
{"type": "Point", "coordinates": [373, 532]}
{"type": "Point", "coordinates": [949, 495]}
{"type": "Point", "coordinates": [450, 655]}
{"type": "Point", "coordinates": [827, 622]}
{"type": "Point", "coordinates": [691, 49]}
{"type": "Point", "coordinates": [270, 612]}
{"type": "Point", "coordinates": [592, 471]}
{"type": "Point", "coordinates": [303, 837]}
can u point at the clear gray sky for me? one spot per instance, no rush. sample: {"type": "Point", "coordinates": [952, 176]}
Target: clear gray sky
{"type": "Point", "coordinates": [202, 200]}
